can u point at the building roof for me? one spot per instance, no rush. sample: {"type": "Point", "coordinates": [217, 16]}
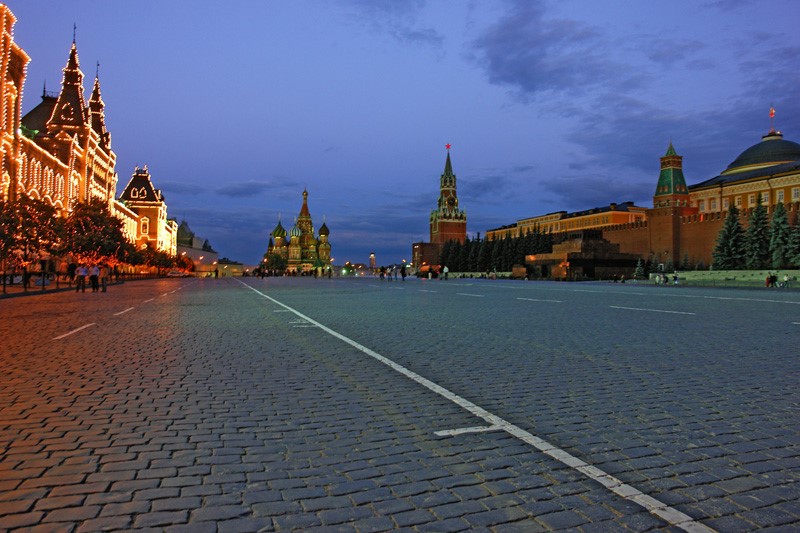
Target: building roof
{"type": "Point", "coordinates": [772, 156]}
{"type": "Point", "coordinates": [323, 229]}
{"type": "Point", "coordinates": [140, 188]}
{"type": "Point", "coordinates": [36, 118]}
{"type": "Point", "coordinates": [772, 150]}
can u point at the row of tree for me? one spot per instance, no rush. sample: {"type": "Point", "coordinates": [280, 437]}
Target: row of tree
{"type": "Point", "coordinates": [498, 255]}
{"type": "Point", "coordinates": [763, 244]}
{"type": "Point", "coordinates": [31, 230]}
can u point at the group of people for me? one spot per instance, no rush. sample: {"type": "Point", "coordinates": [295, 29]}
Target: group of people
{"type": "Point", "coordinates": [98, 276]}
{"type": "Point", "coordinates": [772, 281]}
{"type": "Point", "coordinates": [392, 271]}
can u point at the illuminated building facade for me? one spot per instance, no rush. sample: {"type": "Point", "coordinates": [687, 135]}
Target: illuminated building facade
{"type": "Point", "coordinates": [447, 222]}
{"type": "Point", "coordinates": [60, 151]}
{"type": "Point", "coordinates": [563, 221]}
{"type": "Point", "coordinates": [154, 229]}
{"type": "Point", "coordinates": [302, 250]}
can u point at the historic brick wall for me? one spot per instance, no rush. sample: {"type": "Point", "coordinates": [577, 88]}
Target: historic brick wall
{"type": "Point", "coordinates": [633, 238]}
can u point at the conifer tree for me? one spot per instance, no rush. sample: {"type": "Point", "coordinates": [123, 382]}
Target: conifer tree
{"type": "Point", "coordinates": [485, 255]}
{"type": "Point", "coordinates": [474, 250]}
{"type": "Point", "coordinates": [685, 263]}
{"type": "Point", "coordinates": [494, 261]}
{"type": "Point", "coordinates": [463, 256]}
{"type": "Point", "coordinates": [446, 253]}
{"type": "Point", "coordinates": [793, 246]}
{"type": "Point", "coordinates": [639, 272]}
{"type": "Point", "coordinates": [757, 237]}
{"type": "Point", "coordinates": [779, 237]}
{"type": "Point", "coordinates": [729, 251]}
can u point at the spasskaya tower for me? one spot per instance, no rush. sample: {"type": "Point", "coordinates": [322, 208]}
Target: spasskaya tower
{"type": "Point", "coordinates": [448, 222]}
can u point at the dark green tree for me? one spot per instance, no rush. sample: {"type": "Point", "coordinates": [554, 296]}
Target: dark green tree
{"type": "Point", "coordinates": [485, 255]}
{"type": "Point", "coordinates": [276, 262]}
{"type": "Point", "coordinates": [728, 253]}
{"type": "Point", "coordinates": [463, 256]}
{"type": "Point", "coordinates": [94, 235]}
{"type": "Point", "coordinates": [793, 245]}
{"type": "Point", "coordinates": [446, 255]}
{"type": "Point", "coordinates": [757, 238]}
{"type": "Point", "coordinates": [494, 261]}
{"type": "Point", "coordinates": [474, 250]}
{"type": "Point", "coordinates": [639, 272]}
{"type": "Point", "coordinates": [31, 230]}
{"type": "Point", "coordinates": [685, 265]}
{"type": "Point", "coordinates": [779, 231]}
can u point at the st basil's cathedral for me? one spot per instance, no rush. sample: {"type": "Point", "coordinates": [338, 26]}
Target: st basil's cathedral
{"type": "Point", "coordinates": [301, 249]}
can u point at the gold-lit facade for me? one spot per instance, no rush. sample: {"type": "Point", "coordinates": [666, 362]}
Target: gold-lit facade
{"type": "Point", "coordinates": [60, 151]}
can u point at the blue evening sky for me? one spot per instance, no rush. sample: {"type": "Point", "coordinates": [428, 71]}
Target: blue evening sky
{"type": "Point", "coordinates": [237, 106]}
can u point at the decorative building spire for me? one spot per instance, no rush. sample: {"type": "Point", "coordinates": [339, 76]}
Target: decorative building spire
{"type": "Point", "coordinates": [97, 112]}
{"type": "Point", "coordinates": [70, 110]}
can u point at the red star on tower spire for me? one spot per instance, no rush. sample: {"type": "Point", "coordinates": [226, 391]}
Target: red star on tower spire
{"type": "Point", "coordinates": [448, 145]}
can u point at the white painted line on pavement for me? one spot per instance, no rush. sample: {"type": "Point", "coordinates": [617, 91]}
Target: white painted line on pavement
{"type": "Point", "coordinates": [165, 294]}
{"type": "Point", "coordinates": [150, 300]}
{"type": "Point", "coordinates": [73, 331]}
{"type": "Point", "coordinates": [795, 322]}
{"type": "Point", "coordinates": [630, 493]}
{"type": "Point", "coordinates": [124, 311]}
{"type": "Point", "coordinates": [540, 300]}
{"type": "Point", "coordinates": [425, 290]}
{"type": "Point", "coordinates": [467, 294]}
{"type": "Point", "coordinates": [281, 311]}
{"type": "Point", "coordinates": [464, 431]}
{"type": "Point", "coordinates": [651, 310]}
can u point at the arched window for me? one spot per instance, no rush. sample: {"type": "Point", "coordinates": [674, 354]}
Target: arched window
{"type": "Point", "coordinates": [145, 226]}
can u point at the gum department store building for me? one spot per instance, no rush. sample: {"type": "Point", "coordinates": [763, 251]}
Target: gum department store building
{"type": "Point", "coordinates": [61, 152]}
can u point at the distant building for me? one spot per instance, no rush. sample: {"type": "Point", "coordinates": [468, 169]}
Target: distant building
{"type": "Point", "coordinates": [203, 256]}
{"type": "Point", "coordinates": [301, 249]}
{"type": "Point", "coordinates": [154, 228]}
{"type": "Point", "coordinates": [447, 222]}
{"type": "Point", "coordinates": [565, 222]}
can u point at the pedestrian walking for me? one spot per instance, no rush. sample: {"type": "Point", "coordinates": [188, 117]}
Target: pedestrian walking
{"type": "Point", "coordinates": [403, 272]}
{"type": "Point", "coordinates": [105, 272]}
{"type": "Point", "coordinates": [786, 281]}
{"type": "Point", "coordinates": [94, 277]}
{"type": "Point", "coordinates": [80, 277]}
{"type": "Point", "coordinates": [445, 271]}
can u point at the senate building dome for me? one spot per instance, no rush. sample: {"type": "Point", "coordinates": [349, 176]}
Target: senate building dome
{"type": "Point", "coordinates": [772, 150]}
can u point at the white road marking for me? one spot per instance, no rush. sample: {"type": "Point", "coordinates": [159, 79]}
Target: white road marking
{"type": "Point", "coordinates": [463, 431]}
{"type": "Point", "coordinates": [73, 331]}
{"type": "Point", "coordinates": [124, 311]}
{"type": "Point", "coordinates": [651, 310]}
{"type": "Point", "coordinates": [281, 311]}
{"type": "Point", "coordinates": [652, 505]}
{"type": "Point", "coordinates": [466, 294]}
{"type": "Point", "coordinates": [150, 300]}
{"type": "Point", "coordinates": [165, 294]}
{"type": "Point", "coordinates": [540, 300]}
{"type": "Point", "coordinates": [795, 322]}
{"type": "Point", "coordinates": [424, 290]}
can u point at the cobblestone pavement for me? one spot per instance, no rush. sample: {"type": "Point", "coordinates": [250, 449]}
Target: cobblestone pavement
{"type": "Point", "coordinates": [208, 405]}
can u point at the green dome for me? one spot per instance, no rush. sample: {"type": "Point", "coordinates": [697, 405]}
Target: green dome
{"type": "Point", "coordinates": [296, 232]}
{"type": "Point", "coordinates": [772, 150]}
{"type": "Point", "coordinates": [279, 232]}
